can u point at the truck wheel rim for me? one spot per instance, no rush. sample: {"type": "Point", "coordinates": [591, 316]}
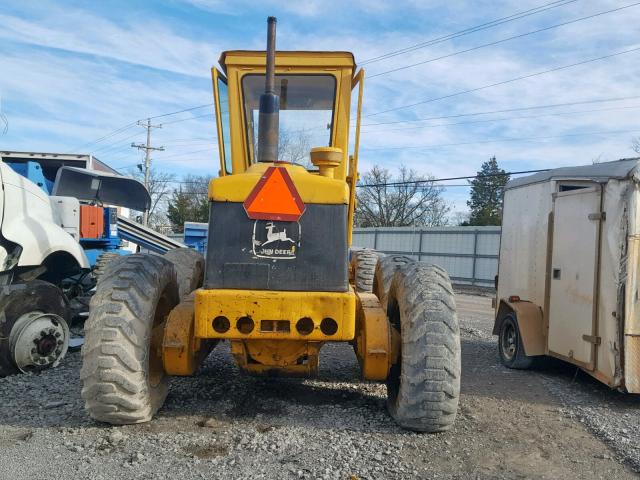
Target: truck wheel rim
{"type": "Point", "coordinates": [509, 341]}
{"type": "Point", "coordinates": [38, 341]}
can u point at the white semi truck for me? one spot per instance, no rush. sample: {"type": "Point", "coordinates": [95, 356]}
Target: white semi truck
{"type": "Point", "coordinates": [569, 272]}
{"type": "Point", "coordinates": [45, 272]}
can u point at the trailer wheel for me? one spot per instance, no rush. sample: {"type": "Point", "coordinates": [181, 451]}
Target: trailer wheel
{"type": "Point", "coordinates": [123, 380]}
{"type": "Point", "coordinates": [34, 334]}
{"type": "Point", "coordinates": [364, 268]}
{"type": "Point", "coordinates": [510, 346]}
{"type": "Point", "coordinates": [189, 266]}
{"type": "Point", "coordinates": [386, 267]}
{"type": "Point", "coordinates": [423, 386]}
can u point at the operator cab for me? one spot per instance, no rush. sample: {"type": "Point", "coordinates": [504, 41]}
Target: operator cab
{"type": "Point", "coordinates": [315, 90]}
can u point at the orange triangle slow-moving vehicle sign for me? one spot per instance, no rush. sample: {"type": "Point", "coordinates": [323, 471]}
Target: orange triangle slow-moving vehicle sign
{"type": "Point", "coordinates": [274, 197]}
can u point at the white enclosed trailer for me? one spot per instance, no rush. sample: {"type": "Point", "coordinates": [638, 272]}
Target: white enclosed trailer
{"type": "Point", "coordinates": [568, 283]}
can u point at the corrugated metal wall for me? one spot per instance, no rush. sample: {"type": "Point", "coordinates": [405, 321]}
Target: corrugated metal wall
{"type": "Point", "coordinates": [469, 254]}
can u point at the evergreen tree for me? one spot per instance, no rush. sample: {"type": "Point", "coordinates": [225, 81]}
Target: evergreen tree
{"type": "Point", "coordinates": [486, 194]}
{"type": "Point", "coordinates": [178, 210]}
{"type": "Point", "coordinates": [190, 203]}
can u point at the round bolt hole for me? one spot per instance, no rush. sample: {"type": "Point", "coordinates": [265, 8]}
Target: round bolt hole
{"type": "Point", "coordinates": [304, 326]}
{"type": "Point", "coordinates": [245, 325]}
{"type": "Point", "coordinates": [329, 326]}
{"type": "Point", "coordinates": [221, 324]}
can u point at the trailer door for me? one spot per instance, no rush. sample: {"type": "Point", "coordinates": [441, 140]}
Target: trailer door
{"type": "Point", "coordinates": [574, 259]}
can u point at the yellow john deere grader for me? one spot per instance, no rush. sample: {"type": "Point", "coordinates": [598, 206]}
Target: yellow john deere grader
{"type": "Point", "coordinates": [278, 283]}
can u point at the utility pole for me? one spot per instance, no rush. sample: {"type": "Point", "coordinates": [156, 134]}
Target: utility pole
{"type": "Point", "coordinates": [147, 159]}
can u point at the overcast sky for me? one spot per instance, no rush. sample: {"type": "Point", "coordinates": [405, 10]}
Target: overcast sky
{"type": "Point", "coordinates": [72, 72]}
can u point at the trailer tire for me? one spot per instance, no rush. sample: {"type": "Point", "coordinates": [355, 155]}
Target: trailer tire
{"type": "Point", "coordinates": [423, 386]}
{"type": "Point", "coordinates": [510, 346]}
{"type": "Point", "coordinates": [386, 267]}
{"type": "Point", "coordinates": [123, 380]}
{"type": "Point", "coordinates": [364, 269]}
{"type": "Point", "coordinates": [189, 266]}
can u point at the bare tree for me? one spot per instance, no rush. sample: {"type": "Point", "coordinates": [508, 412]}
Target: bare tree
{"type": "Point", "coordinates": [159, 188]}
{"type": "Point", "coordinates": [459, 219]}
{"type": "Point", "coordinates": [387, 201]}
{"type": "Point", "coordinates": [293, 146]}
{"type": "Point", "coordinates": [635, 144]}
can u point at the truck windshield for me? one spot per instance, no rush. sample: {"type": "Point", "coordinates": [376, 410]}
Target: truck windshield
{"type": "Point", "coordinates": [306, 113]}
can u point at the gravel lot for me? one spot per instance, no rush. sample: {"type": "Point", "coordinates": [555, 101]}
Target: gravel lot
{"type": "Point", "coordinates": [549, 423]}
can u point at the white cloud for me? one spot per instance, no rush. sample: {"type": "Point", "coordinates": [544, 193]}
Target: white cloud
{"type": "Point", "coordinates": [83, 90]}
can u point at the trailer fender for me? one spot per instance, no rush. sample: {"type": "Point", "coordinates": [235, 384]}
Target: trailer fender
{"type": "Point", "coordinates": [530, 324]}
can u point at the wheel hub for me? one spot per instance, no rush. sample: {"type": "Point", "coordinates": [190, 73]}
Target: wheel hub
{"type": "Point", "coordinates": [509, 342]}
{"type": "Point", "coordinates": [38, 340]}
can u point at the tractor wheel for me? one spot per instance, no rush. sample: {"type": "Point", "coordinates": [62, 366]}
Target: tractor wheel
{"type": "Point", "coordinates": [385, 269]}
{"type": "Point", "coordinates": [34, 334]}
{"type": "Point", "coordinates": [102, 262]}
{"type": "Point", "coordinates": [423, 387]}
{"type": "Point", "coordinates": [364, 268]}
{"type": "Point", "coordinates": [189, 266]}
{"type": "Point", "coordinates": [510, 347]}
{"type": "Point", "coordinates": [123, 380]}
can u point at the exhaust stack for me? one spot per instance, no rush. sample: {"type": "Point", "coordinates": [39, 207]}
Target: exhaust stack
{"type": "Point", "coordinates": [268, 122]}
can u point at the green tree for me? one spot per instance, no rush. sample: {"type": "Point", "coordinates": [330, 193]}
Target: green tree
{"type": "Point", "coordinates": [189, 203]}
{"type": "Point", "coordinates": [485, 203]}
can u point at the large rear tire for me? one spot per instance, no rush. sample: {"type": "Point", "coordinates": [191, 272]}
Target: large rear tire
{"type": "Point", "coordinates": [189, 266]}
{"type": "Point", "coordinates": [423, 387]}
{"type": "Point", "coordinates": [364, 268]}
{"type": "Point", "coordinates": [102, 263]}
{"type": "Point", "coordinates": [386, 267]}
{"type": "Point", "coordinates": [123, 380]}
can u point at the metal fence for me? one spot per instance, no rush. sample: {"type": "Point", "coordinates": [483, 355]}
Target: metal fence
{"type": "Point", "coordinates": [469, 254]}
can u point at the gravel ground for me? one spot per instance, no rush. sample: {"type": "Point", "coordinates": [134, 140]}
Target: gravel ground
{"type": "Point", "coordinates": [222, 424]}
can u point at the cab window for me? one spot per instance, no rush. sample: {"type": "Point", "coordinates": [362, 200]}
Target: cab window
{"type": "Point", "coordinates": [306, 113]}
{"type": "Point", "coordinates": [223, 93]}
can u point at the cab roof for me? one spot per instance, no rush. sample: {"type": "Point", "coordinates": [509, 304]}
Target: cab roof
{"type": "Point", "coordinates": [257, 58]}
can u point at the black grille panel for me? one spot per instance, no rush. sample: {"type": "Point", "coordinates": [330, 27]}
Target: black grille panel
{"type": "Point", "coordinates": [309, 255]}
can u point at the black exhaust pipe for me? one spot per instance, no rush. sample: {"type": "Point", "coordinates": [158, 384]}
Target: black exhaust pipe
{"type": "Point", "coordinates": [268, 122]}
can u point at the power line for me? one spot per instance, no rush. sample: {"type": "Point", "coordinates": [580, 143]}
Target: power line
{"type": "Point", "coordinates": [497, 42]}
{"type": "Point", "coordinates": [542, 115]}
{"type": "Point", "coordinates": [105, 148]}
{"type": "Point", "coordinates": [411, 182]}
{"type": "Point", "coordinates": [181, 111]}
{"type": "Point", "coordinates": [467, 31]}
{"type": "Point", "coordinates": [190, 118]}
{"type": "Point", "coordinates": [185, 153]}
{"type": "Point", "coordinates": [503, 82]}
{"type": "Point", "coordinates": [507, 110]}
{"type": "Point", "coordinates": [133, 124]}
{"type": "Point", "coordinates": [511, 139]}
{"type": "Point", "coordinates": [417, 182]}
{"type": "Point", "coordinates": [108, 135]}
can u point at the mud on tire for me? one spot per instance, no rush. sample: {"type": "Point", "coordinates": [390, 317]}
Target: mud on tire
{"type": "Point", "coordinates": [122, 375]}
{"type": "Point", "coordinates": [189, 266]}
{"type": "Point", "coordinates": [386, 267]}
{"type": "Point", "coordinates": [423, 388]}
